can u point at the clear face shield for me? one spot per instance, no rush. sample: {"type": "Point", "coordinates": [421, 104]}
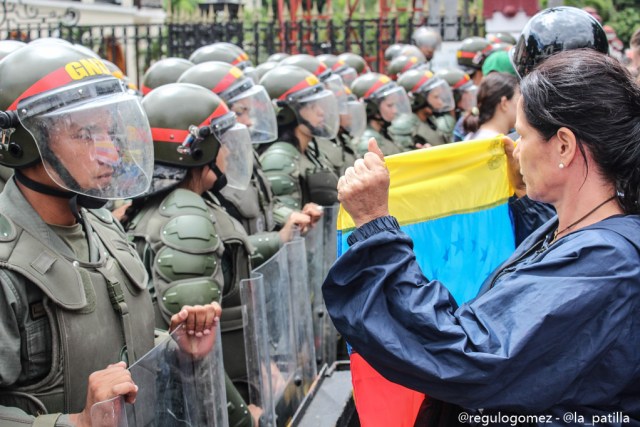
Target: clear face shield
{"type": "Point", "coordinates": [336, 86]}
{"type": "Point", "coordinates": [254, 109]}
{"type": "Point", "coordinates": [235, 158]}
{"type": "Point", "coordinates": [317, 109]}
{"type": "Point", "coordinates": [393, 103]}
{"type": "Point", "coordinates": [93, 137]}
{"type": "Point", "coordinates": [348, 75]}
{"type": "Point", "coordinates": [355, 121]}
{"type": "Point", "coordinates": [468, 98]}
{"type": "Point", "coordinates": [439, 95]}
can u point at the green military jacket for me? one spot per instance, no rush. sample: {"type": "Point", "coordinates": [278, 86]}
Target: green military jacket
{"type": "Point", "coordinates": [387, 146]}
{"type": "Point", "coordinates": [408, 130]}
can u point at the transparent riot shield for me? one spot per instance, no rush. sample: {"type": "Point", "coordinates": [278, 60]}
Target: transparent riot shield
{"type": "Point", "coordinates": [180, 385]}
{"type": "Point", "coordinates": [280, 353]}
{"type": "Point", "coordinates": [321, 247]}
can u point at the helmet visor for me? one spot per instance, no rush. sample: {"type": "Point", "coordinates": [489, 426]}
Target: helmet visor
{"type": "Point", "coordinates": [439, 95]}
{"type": "Point", "coordinates": [254, 109]}
{"type": "Point", "coordinates": [318, 111]}
{"type": "Point", "coordinates": [235, 157]}
{"type": "Point", "coordinates": [93, 138]}
{"type": "Point", "coordinates": [355, 121]}
{"type": "Point", "coordinates": [334, 84]}
{"type": "Point", "coordinates": [393, 103]}
{"type": "Point", "coordinates": [468, 98]}
{"type": "Point", "coordinates": [348, 75]}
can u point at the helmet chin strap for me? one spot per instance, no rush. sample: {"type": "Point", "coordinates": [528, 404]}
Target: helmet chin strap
{"type": "Point", "coordinates": [221, 179]}
{"type": "Point", "coordinates": [75, 200]}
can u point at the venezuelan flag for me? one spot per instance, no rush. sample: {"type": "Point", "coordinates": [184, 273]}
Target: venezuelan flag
{"type": "Point", "coordinates": [452, 201]}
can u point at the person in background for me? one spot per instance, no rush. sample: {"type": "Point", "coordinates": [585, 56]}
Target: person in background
{"type": "Point", "coordinates": [554, 328]}
{"type": "Point", "coordinates": [498, 97]}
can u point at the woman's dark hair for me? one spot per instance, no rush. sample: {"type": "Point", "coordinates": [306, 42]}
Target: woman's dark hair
{"type": "Point", "coordinates": [595, 97]}
{"type": "Point", "coordinates": [492, 88]}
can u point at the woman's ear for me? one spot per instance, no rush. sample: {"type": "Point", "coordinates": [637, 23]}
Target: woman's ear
{"type": "Point", "coordinates": [566, 145]}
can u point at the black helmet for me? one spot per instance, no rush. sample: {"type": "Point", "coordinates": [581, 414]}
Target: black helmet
{"type": "Point", "coordinates": [554, 30]}
{"type": "Point", "coordinates": [62, 107]}
{"type": "Point", "coordinates": [163, 72]}
{"type": "Point", "coordinates": [191, 136]}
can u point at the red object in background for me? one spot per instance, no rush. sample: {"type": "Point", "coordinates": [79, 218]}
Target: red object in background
{"type": "Point", "coordinates": [509, 7]}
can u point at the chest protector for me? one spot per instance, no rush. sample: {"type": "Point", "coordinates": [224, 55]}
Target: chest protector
{"type": "Point", "coordinates": [177, 237]}
{"type": "Point", "coordinates": [253, 207]}
{"type": "Point", "coordinates": [99, 313]}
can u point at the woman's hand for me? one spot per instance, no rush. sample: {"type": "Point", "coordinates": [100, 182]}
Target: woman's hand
{"type": "Point", "coordinates": [103, 385]}
{"type": "Point", "coordinates": [363, 190]}
{"type": "Point", "coordinates": [295, 221]}
{"type": "Point", "coordinates": [196, 328]}
{"type": "Point", "coordinates": [513, 168]}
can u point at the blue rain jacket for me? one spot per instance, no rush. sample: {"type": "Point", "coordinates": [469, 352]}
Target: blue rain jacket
{"type": "Point", "coordinates": [554, 329]}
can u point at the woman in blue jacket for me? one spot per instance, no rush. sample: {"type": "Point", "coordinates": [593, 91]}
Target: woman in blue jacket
{"type": "Point", "coordinates": [555, 329]}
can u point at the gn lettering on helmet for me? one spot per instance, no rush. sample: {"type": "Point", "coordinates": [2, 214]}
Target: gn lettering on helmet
{"type": "Point", "coordinates": [85, 68]}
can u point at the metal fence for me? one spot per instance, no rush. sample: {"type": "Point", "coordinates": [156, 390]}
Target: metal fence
{"type": "Point", "coordinates": [135, 47]}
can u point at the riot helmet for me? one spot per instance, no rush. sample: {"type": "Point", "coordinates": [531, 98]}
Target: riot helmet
{"type": "Point", "coordinates": [62, 108]}
{"type": "Point", "coordinates": [250, 102]}
{"type": "Point", "coordinates": [392, 51]}
{"type": "Point", "coordinates": [470, 53]}
{"type": "Point", "coordinates": [331, 81]}
{"type": "Point", "coordinates": [225, 52]}
{"type": "Point", "coordinates": [117, 73]}
{"type": "Point", "coordinates": [402, 64]}
{"type": "Point", "coordinates": [163, 72]}
{"type": "Point", "coordinates": [554, 30]}
{"type": "Point", "coordinates": [427, 39]}
{"type": "Point", "coordinates": [338, 66]}
{"type": "Point", "coordinates": [354, 121]}
{"type": "Point", "coordinates": [464, 91]}
{"type": "Point", "coordinates": [301, 97]}
{"type": "Point", "coordinates": [384, 99]}
{"type": "Point", "coordinates": [8, 46]}
{"type": "Point", "coordinates": [411, 50]}
{"type": "Point", "coordinates": [426, 90]}
{"type": "Point", "coordinates": [262, 69]}
{"type": "Point", "coordinates": [277, 57]}
{"type": "Point", "coordinates": [501, 37]}
{"type": "Point", "coordinates": [202, 132]}
{"type": "Point", "coordinates": [356, 62]}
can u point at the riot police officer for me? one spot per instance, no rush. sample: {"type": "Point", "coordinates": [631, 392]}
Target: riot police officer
{"type": "Point", "coordinates": [75, 139]}
{"type": "Point", "coordinates": [255, 207]}
{"type": "Point", "coordinates": [384, 101]}
{"type": "Point", "coordinates": [429, 95]}
{"type": "Point", "coordinates": [194, 251]}
{"type": "Point", "coordinates": [298, 171]}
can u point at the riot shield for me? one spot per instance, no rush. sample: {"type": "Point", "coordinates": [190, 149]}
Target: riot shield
{"type": "Point", "coordinates": [177, 388]}
{"type": "Point", "coordinates": [321, 247]}
{"type": "Point", "coordinates": [280, 354]}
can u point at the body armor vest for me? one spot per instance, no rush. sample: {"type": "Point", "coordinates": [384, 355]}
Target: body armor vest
{"type": "Point", "coordinates": [98, 312]}
{"type": "Point", "coordinates": [187, 271]}
{"type": "Point", "coordinates": [386, 145]}
{"type": "Point", "coordinates": [253, 207]}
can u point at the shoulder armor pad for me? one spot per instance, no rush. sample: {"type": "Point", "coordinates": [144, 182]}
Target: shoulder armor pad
{"type": "Point", "coordinates": [404, 125]}
{"type": "Point", "coordinates": [7, 229]}
{"type": "Point", "coordinates": [103, 215]}
{"type": "Point", "coordinates": [190, 233]}
{"type": "Point", "coordinates": [281, 156]}
{"type": "Point", "coordinates": [181, 201]}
